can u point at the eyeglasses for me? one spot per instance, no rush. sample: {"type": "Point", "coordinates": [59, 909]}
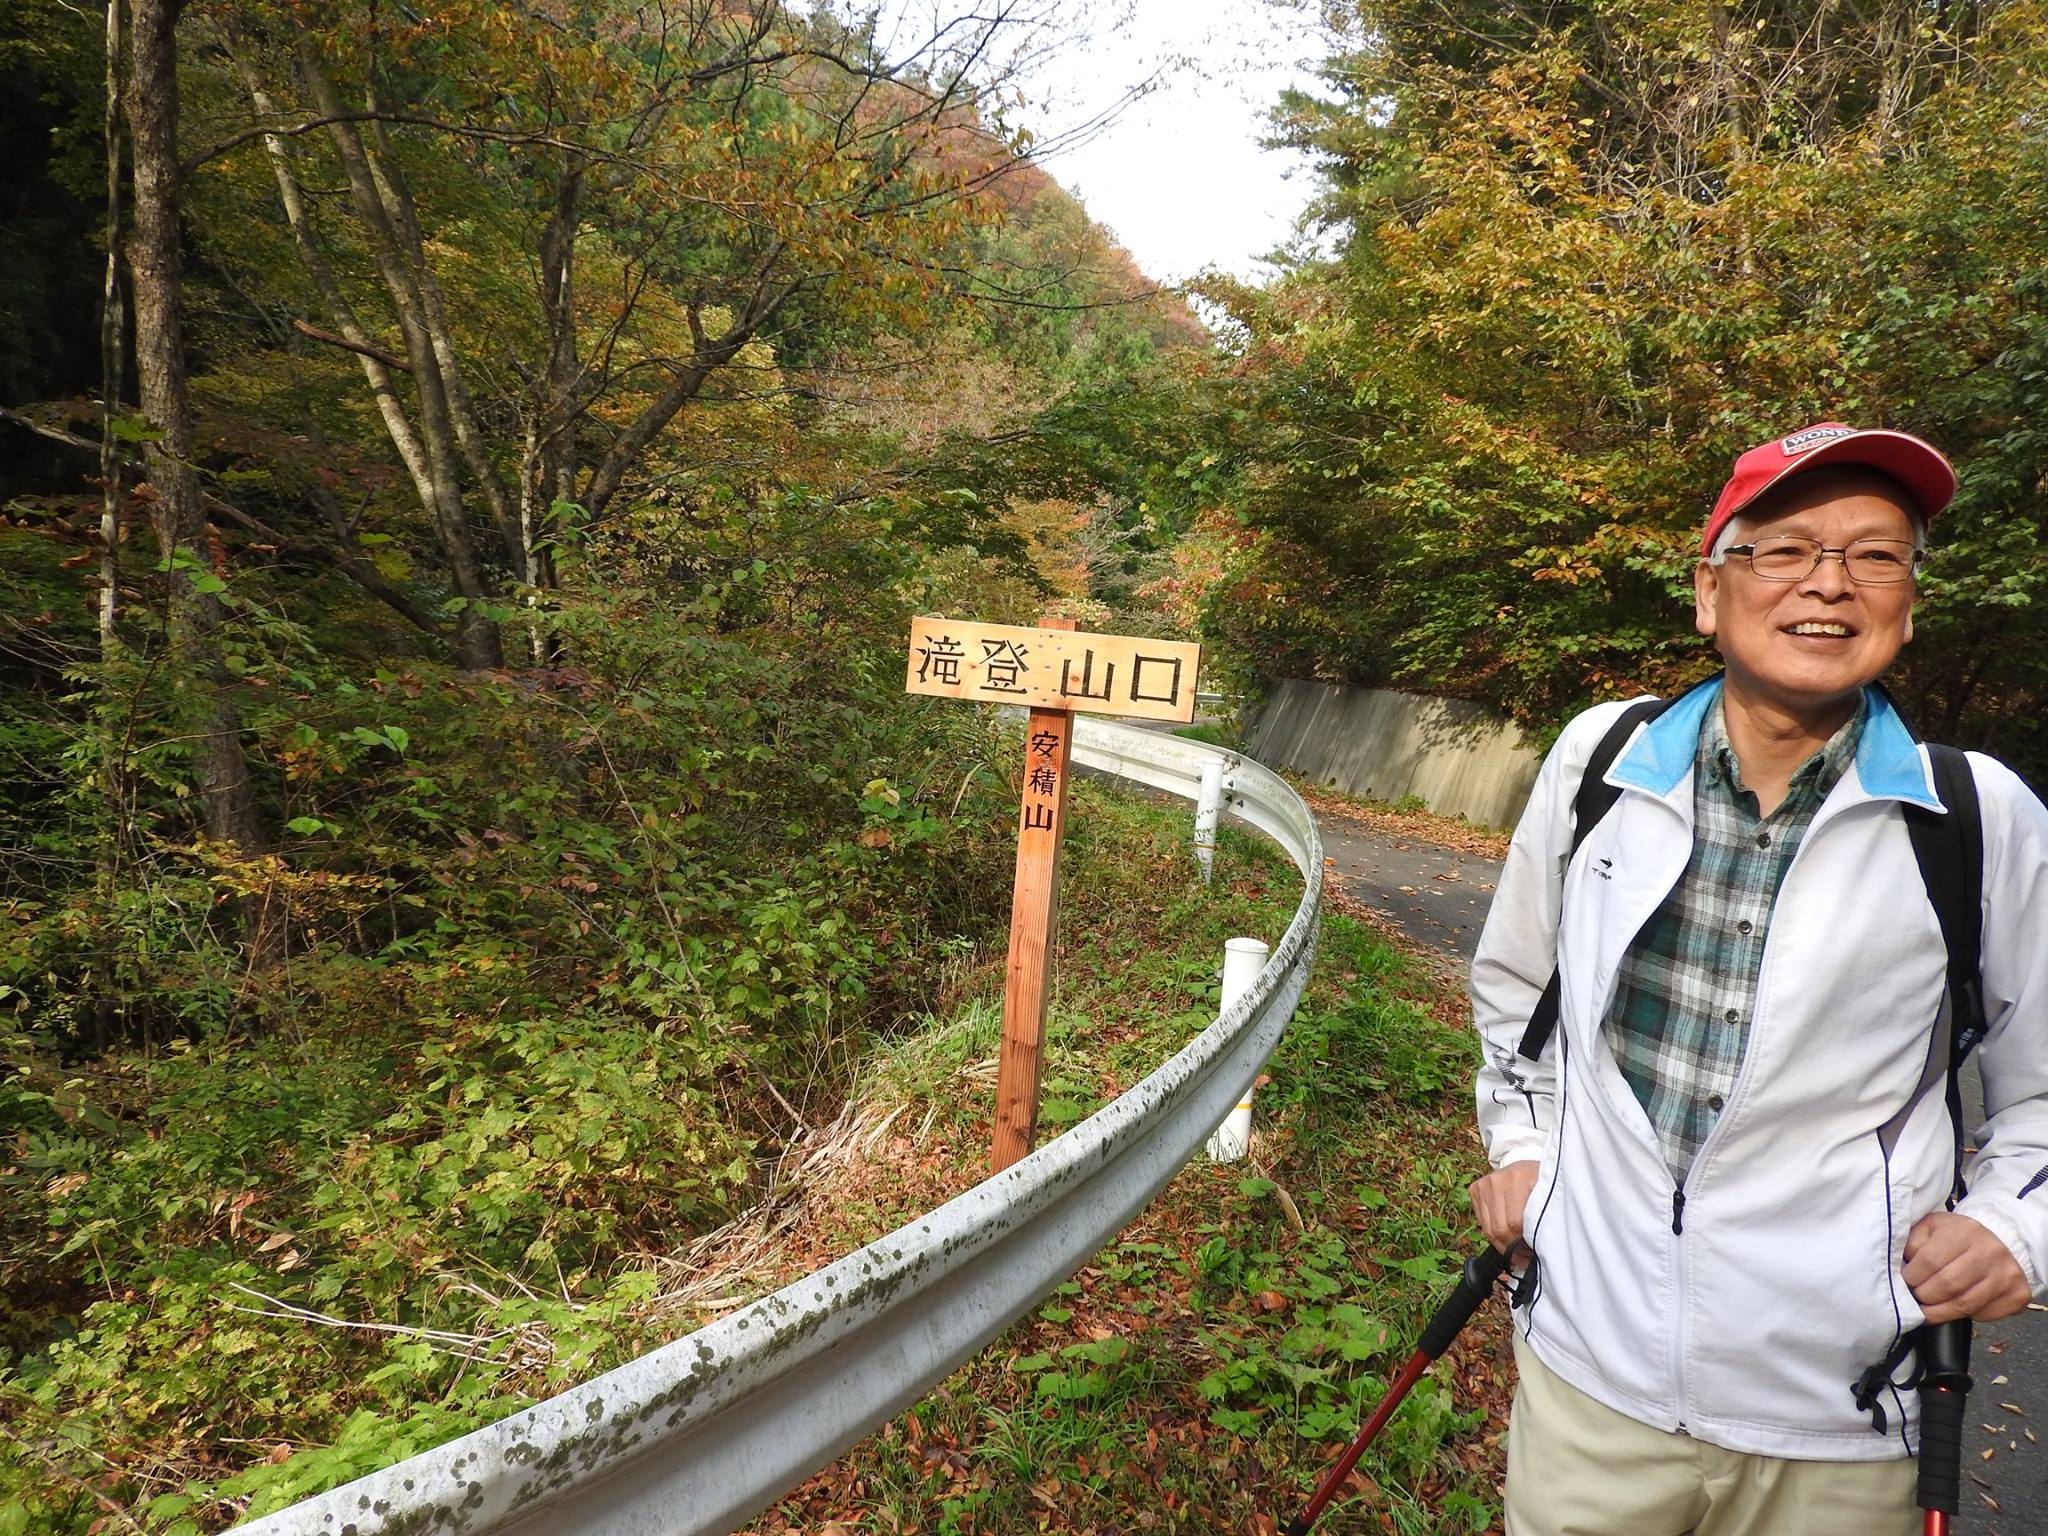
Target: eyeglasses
{"type": "Point", "coordinates": [1869, 562]}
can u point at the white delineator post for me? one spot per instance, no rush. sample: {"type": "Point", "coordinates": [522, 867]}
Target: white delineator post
{"type": "Point", "coordinates": [1208, 806]}
{"type": "Point", "coordinates": [1243, 959]}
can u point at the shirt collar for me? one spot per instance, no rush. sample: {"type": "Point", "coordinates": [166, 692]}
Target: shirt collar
{"type": "Point", "coordinates": [1819, 773]}
{"type": "Point", "coordinates": [1664, 753]}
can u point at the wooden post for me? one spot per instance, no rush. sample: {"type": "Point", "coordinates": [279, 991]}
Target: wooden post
{"type": "Point", "coordinates": [1041, 821]}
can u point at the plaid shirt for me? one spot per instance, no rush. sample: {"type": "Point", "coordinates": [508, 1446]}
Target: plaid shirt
{"type": "Point", "coordinates": [1679, 1022]}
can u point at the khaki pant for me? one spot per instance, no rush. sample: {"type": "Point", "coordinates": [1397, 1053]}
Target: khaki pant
{"type": "Point", "coordinates": [1578, 1468]}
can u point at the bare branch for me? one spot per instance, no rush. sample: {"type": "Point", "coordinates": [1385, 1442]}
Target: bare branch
{"type": "Point", "coordinates": [360, 348]}
{"type": "Point", "coordinates": [521, 138]}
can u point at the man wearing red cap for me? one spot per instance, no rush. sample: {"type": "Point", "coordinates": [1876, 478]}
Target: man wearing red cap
{"type": "Point", "coordinates": [1733, 1158]}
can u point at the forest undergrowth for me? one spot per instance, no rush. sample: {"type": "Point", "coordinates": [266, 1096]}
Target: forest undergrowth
{"type": "Point", "coordinates": [1195, 1375]}
{"type": "Point", "coordinates": [284, 1262]}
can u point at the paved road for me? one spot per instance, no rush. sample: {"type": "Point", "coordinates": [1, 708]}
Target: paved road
{"type": "Point", "coordinates": [1439, 897]}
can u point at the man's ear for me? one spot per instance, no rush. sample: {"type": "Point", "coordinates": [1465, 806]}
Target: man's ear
{"type": "Point", "coordinates": [1706, 595]}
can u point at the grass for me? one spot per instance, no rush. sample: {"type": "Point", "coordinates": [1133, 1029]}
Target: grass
{"type": "Point", "coordinates": [1203, 1369]}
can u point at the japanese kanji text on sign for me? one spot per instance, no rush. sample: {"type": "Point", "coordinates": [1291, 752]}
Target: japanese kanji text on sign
{"type": "Point", "coordinates": [1053, 669]}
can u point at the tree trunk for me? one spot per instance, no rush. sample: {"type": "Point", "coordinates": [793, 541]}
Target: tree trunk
{"type": "Point", "coordinates": [1898, 56]}
{"type": "Point", "coordinates": [177, 511]}
{"type": "Point", "coordinates": [1729, 88]}
{"type": "Point", "coordinates": [477, 640]}
{"type": "Point", "coordinates": [227, 794]}
{"type": "Point", "coordinates": [548, 467]}
{"type": "Point", "coordinates": [426, 445]}
{"type": "Point", "coordinates": [396, 196]}
{"type": "Point", "coordinates": [110, 344]}
{"type": "Point", "coordinates": [111, 833]}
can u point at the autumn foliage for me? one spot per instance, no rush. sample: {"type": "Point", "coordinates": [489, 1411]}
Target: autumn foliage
{"type": "Point", "coordinates": [1578, 257]}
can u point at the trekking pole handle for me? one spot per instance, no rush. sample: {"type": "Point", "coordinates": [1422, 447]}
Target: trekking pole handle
{"type": "Point", "coordinates": [1944, 1384]}
{"type": "Point", "coordinates": [1482, 1271]}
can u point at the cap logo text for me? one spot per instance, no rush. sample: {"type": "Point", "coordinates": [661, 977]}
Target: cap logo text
{"type": "Point", "coordinates": [1812, 437]}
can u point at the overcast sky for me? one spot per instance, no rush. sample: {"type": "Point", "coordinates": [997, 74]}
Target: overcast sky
{"type": "Point", "coordinates": [1178, 176]}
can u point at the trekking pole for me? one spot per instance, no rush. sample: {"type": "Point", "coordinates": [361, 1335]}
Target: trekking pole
{"type": "Point", "coordinates": [1944, 1383]}
{"type": "Point", "coordinates": [1473, 1287]}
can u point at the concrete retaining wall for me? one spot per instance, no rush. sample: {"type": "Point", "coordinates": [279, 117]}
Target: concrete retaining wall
{"type": "Point", "coordinates": [1457, 758]}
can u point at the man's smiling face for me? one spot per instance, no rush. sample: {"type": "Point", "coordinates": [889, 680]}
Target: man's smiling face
{"type": "Point", "coordinates": [1806, 646]}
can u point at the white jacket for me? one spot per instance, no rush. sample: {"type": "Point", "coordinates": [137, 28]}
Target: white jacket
{"type": "Point", "coordinates": [1747, 1327]}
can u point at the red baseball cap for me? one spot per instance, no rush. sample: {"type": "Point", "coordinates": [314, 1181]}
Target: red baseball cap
{"type": "Point", "coordinates": [1918, 466]}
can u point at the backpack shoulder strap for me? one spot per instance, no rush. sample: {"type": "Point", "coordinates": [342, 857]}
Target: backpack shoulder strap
{"type": "Point", "coordinates": [1949, 849]}
{"type": "Point", "coordinates": [1594, 798]}
{"type": "Point", "coordinates": [1950, 852]}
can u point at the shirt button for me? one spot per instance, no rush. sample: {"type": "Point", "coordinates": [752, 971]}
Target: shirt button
{"type": "Point", "coordinates": [1733, 1016]}
{"type": "Point", "coordinates": [1744, 926]}
{"type": "Point", "coordinates": [1716, 1103]}
{"type": "Point", "coordinates": [1763, 839]}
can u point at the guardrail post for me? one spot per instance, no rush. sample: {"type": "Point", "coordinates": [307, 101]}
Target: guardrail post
{"type": "Point", "coordinates": [1243, 959]}
{"type": "Point", "coordinates": [1208, 805]}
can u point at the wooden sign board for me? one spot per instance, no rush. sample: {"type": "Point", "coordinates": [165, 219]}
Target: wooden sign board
{"type": "Point", "coordinates": [1053, 669]}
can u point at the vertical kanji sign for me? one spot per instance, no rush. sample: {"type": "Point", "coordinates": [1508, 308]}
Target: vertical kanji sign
{"type": "Point", "coordinates": [1041, 822]}
{"type": "Point", "coordinates": [1054, 670]}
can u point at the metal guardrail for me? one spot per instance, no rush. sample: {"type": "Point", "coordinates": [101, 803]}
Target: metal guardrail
{"type": "Point", "coordinates": [696, 1437]}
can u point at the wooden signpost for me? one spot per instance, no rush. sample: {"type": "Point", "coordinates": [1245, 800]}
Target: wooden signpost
{"type": "Point", "coordinates": [1053, 670]}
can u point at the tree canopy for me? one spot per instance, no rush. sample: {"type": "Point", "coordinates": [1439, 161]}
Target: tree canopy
{"type": "Point", "coordinates": [1572, 259]}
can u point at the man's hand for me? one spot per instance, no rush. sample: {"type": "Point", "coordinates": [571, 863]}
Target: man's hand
{"type": "Point", "coordinates": [1956, 1267]}
{"type": "Point", "coordinates": [1499, 1199]}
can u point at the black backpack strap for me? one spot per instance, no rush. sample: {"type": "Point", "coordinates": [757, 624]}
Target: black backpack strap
{"type": "Point", "coordinates": [1595, 798]}
{"type": "Point", "coordinates": [1950, 852]}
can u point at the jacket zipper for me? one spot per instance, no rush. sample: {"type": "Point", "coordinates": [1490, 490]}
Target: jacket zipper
{"type": "Point", "coordinates": [1681, 1403]}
